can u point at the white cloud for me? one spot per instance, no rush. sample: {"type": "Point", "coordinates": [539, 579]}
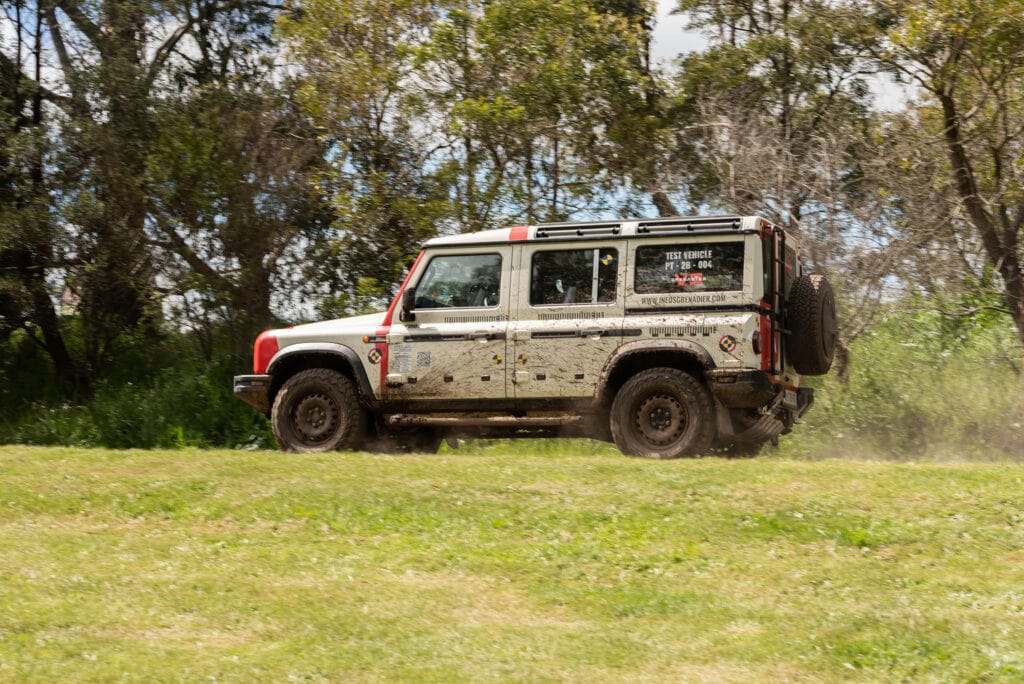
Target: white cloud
{"type": "Point", "coordinates": [671, 37]}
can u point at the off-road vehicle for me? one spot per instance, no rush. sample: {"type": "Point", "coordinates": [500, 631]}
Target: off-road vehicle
{"type": "Point", "coordinates": [671, 337]}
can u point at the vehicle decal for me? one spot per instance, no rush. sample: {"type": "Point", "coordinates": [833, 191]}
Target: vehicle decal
{"type": "Point", "coordinates": [496, 359]}
{"type": "Point", "coordinates": [522, 359]}
{"type": "Point", "coordinates": [401, 359]}
{"type": "Point", "coordinates": [727, 344]}
{"type": "Point", "coordinates": [693, 331]}
{"type": "Point", "coordinates": [688, 279]}
{"type": "Point", "coordinates": [476, 319]}
{"type": "Point", "coordinates": [570, 316]}
{"type": "Point", "coordinates": [375, 355]}
{"type": "Point", "coordinates": [668, 300]}
{"type": "Point", "coordinates": [423, 359]}
{"type": "Point", "coordinates": [517, 233]}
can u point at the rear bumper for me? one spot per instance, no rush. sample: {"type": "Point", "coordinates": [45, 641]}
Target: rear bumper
{"type": "Point", "coordinates": [749, 388]}
{"type": "Point", "coordinates": [254, 390]}
{"type": "Point", "coordinates": [742, 387]}
{"type": "Point", "coordinates": [804, 401]}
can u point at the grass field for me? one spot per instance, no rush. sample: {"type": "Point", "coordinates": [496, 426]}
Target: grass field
{"type": "Point", "coordinates": [549, 561]}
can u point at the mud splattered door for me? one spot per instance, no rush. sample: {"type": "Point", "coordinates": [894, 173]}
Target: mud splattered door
{"type": "Point", "coordinates": [569, 318]}
{"type": "Point", "coordinates": [454, 348]}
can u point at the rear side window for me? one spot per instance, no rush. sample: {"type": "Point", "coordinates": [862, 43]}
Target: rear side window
{"type": "Point", "coordinates": [573, 276]}
{"type": "Point", "coordinates": [459, 281]}
{"type": "Point", "coordinates": [690, 267]}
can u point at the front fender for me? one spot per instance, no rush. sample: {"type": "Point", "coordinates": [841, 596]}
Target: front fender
{"type": "Point", "coordinates": [309, 348]}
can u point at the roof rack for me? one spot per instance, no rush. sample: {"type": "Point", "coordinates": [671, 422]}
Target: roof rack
{"type": "Point", "coordinates": [689, 224]}
{"type": "Point", "coordinates": [568, 230]}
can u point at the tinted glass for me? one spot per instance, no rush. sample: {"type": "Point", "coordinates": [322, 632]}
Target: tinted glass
{"type": "Point", "coordinates": [716, 267]}
{"type": "Point", "coordinates": [578, 276]}
{"type": "Point", "coordinates": [464, 280]}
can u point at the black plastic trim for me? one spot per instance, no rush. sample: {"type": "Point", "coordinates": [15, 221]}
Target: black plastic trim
{"type": "Point", "coordinates": [754, 308]}
{"type": "Point", "coordinates": [307, 349]}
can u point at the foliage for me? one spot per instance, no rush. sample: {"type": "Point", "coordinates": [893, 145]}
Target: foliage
{"type": "Point", "coordinates": [967, 59]}
{"type": "Point", "coordinates": [175, 173]}
{"type": "Point", "coordinates": [168, 396]}
{"type": "Point", "coordinates": [924, 384]}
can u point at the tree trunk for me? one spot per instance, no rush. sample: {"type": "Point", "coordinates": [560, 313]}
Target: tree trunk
{"type": "Point", "coordinates": [663, 204]}
{"type": "Point", "coordinates": [1001, 249]}
{"type": "Point", "coordinates": [45, 318]}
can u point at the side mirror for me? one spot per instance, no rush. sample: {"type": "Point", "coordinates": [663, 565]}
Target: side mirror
{"type": "Point", "coordinates": [408, 304]}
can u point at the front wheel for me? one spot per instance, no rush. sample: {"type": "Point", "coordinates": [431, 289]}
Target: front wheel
{"type": "Point", "coordinates": [663, 413]}
{"type": "Point", "coordinates": [318, 410]}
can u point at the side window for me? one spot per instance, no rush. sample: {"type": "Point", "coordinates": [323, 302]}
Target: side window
{"type": "Point", "coordinates": [460, 281]}
{"type": "Point", "coordinates": [690, 267]}
{"type": "Point", "coordinates": [577, 276]}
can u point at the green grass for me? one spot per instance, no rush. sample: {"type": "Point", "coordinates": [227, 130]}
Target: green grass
{"type": "Point", "coordinates": [506, 563]}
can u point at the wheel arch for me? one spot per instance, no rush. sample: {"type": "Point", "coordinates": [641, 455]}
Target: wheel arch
{"type": "Point", "coordinates": [299, 357]}
{"type": "Point", "coordinates": [634, 357]}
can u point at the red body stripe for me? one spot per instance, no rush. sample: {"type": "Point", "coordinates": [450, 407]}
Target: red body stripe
{"type": "Point", "coordinates": [518, 233]}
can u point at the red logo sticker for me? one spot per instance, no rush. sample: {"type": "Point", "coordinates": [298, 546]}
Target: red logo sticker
{"type": "Point", "coordinates": [688, 279]}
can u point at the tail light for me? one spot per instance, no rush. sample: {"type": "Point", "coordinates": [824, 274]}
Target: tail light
{"type": "Point", "coordinates": [755, 341]}
{"type": "Point", "coordinates": [263, 351]}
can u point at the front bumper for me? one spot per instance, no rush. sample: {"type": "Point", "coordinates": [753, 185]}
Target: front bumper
{"type": "Point", "coordinates": [254, 390]}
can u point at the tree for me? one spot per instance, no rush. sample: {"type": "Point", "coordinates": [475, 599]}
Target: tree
{"type": "Point", "coordinates": [451, 116]}
{"type": "Point", "coordinates": [118, 61]}
{"type": "Point", "coordinates": [360, 89]}
{"type": "Point", "coordinates": [967, 60]}
{"type": "Point", "coordinates": [231, 193]}
{"type": "Point", "coordinates": [532, 94]}
{"type": "Point", "coordinates": [775, 119]}
{"type": "Point", "coordinates": [28, 231]}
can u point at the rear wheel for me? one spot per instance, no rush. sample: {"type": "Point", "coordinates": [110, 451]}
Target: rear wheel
{"type": "Point", "coordinates": [663, 413]}
{"type": "Point", "coordinates": [318, 410]}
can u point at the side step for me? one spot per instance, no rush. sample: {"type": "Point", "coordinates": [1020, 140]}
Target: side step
{"type": "Point", "coordinates": [402, 419]}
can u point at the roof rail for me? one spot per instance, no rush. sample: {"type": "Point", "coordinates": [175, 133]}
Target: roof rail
{"type": "Point", "coordinates": [690, 224]}
{"type": "Point", "coordinates": [589, 229]}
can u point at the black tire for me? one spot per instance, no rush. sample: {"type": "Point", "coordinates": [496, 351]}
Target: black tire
{"type": "Point", "coordinates": [811, 318]}
{"type": "Point", "coordinates": [318, 410]}
{"type": "Point", "coordinates": [663, 413]}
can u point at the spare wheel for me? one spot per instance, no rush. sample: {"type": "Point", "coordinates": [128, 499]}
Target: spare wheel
{"type": "Point", "coordinates": [811, 319]}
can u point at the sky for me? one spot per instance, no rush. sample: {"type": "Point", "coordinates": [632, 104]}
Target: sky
{"type": "Point", "coordinates": [670, 35]}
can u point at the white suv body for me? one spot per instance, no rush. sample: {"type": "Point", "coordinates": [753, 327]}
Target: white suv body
{"type": "Point", "coordinates": [536, 330]}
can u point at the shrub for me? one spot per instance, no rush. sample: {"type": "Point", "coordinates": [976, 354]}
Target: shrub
{"type": "Point", "coordinates": [923, 385]}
